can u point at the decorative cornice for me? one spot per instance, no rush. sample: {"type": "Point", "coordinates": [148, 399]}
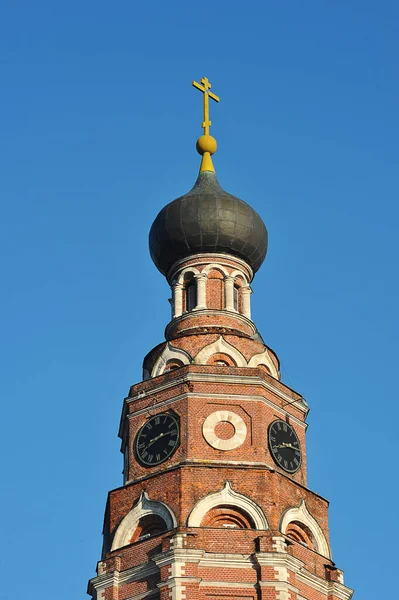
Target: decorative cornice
{"type": "Point", "coordinates": [328, 588]}
{"type": "Point", "coordinates": [205, 258]}
{"type": "Point", "coordinates": [225, 398]}
{"type": "Point", "coordinates": [208, 312]}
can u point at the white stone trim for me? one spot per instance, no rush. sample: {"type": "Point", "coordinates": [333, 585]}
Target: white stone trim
{"type": "Point", "coordinates": [220, 416]}
{"type": "Point", "coordinates": [144, 506]}
{"type": "Point", "coordinates": [222, 347]}
{"type": "Point", "coordinates": [169, 353]}
{"type": "Point", "coordinates": [227, 584]}
{"type": "Point", "coordinates": [264, 358]}
{"type": "Point", "coordinates": [302, 515]}
{"type": "Point", "coordinates": [227, 496]}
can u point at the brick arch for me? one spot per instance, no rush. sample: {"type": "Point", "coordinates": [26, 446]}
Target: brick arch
{"type": "Point", "coordinates": [227, 516]}
{"type": "Point", "coordinates": [228, 497]}
{"type": "Point", "coordinates": [302, 518]}
{"type": "Point", "coordinates": [221, 359]}
{"type": "Point", "coordinates": [127, 528]}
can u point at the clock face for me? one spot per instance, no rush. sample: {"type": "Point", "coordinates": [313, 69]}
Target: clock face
{"type": "Point", "coordinates": [157, 440]}
{"type": "Point", "coordinates": [284, 446]}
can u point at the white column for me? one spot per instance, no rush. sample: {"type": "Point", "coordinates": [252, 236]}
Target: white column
{"type": "Point", "coordinates": [177, 299]}
{"type": "Point", "coordinates": [246, 301]}
{"type": "Point", "coordinates": [229, 292]}
{"type": "Point", "coordinates": [201, 279]}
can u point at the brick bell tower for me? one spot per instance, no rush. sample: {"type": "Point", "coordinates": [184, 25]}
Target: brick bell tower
{"type": "Point", "coordinates": [215, 503]}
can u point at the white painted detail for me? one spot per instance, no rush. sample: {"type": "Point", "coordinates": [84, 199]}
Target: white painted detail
{"type": "Point", "coordinates": [264, 359]}
{"type": "Point", "coordinates": [220, 416]}
{"type": "Point", "coordinates": [302, 515]}
{"type": "Point", "coordinates": [279, 544]}
{"type": "Point", "coordinates": [231, 498]}
{"type": "Point", "coordinates": [170, 353]}
{"type": "Point", "coordinates": [143, 507]}
{"type": "Point", "coordinates": [281, 573]}
{"type": "Point", "coordinates": [220, 347]}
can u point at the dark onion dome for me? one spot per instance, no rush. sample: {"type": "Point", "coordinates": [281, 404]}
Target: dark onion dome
{"type": "Point", "coordinates": [207, 219]}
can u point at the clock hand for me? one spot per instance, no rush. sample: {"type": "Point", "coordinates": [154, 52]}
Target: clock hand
{"type": "Point", "coordinates": [158, 436]}
{"type": "Point", "coordinates": [286, 445]}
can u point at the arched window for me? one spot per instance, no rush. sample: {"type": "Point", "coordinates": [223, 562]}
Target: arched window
{"type": "Point", "coordinates": [147, 526]}
{"type": "Point", "coordinates": [191, 293]}
{"type": "Point", "coordinates": [235, 297]}
{"type": "Point", "coordinates": [190, 289]}
{"type": "Point", "coordinates": [173, 364]}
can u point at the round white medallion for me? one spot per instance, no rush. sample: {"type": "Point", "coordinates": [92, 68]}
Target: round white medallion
{"type": "Point", "coordinates": [224, 416]}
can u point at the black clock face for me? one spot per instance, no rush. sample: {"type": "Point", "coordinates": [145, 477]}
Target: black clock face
{"type": "Point", "coordinates": [157, 440]}
{"type": "Point", "coordinates": [284, 446]}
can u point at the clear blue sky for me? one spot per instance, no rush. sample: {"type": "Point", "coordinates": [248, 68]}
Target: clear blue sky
{"type": "Point", "coordinates": [98, 127]}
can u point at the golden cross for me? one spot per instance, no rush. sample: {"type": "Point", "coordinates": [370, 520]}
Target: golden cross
{"type": "Point", "coordinates": [204, 88]}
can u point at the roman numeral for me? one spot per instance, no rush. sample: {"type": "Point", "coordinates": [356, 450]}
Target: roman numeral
{"type": "Point", "coordinates": [158, 457]}
{"type": "Point", "coordinates": [157, 420]}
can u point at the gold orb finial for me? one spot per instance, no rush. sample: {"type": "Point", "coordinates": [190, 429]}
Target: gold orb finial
{"type": "Point", "coordinates": [206, 144]}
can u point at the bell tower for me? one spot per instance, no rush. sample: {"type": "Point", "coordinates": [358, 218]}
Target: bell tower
{"type": "Point", "coordinates": [214, 504]}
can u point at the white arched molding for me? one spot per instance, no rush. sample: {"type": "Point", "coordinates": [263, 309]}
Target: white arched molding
{"type": "Point", "coordinates": [142, 508]}
{"type": "Point", "coordinates": [229, 497]}
{"type": "Point", "coordinates": [170, 353]}
{"type": "Point", "coordinates": [264, 359]}
{"type": "Point", "coordinates": [300, 514]}
{"type": "Point", "coordinates": [215, 267]}
{"type": "Point", "coordinates": [220, 347]}
{"type": "Point", "coordinates": [193, 270]}
{"type": "Point", "coordinates": [240, 274]}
